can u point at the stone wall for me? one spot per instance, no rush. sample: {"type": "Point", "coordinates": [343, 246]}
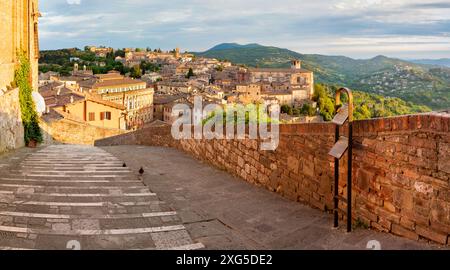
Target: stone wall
{"type": "Point", "coordinates": [11, 128]}
{"type": "Point", "coordinates": [70, 131]}
{"type": "Point", "coordinates": [401, 169]}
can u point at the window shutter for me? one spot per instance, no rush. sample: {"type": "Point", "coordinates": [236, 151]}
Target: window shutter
{"type": "Point", "coordinates": [102, 116]}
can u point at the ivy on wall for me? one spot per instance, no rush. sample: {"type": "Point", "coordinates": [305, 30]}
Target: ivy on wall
{"type": "Point", "coordinates": [30, 117]}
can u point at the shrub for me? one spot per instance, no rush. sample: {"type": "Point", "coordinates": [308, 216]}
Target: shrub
{"type": "Point", "coordinates": [30, 117]}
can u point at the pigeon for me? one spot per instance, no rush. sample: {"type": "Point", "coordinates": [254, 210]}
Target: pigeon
{"type": "Point", "coordinates": [124, 165]}
{"type": "Point", "coordinates": [141, 171]}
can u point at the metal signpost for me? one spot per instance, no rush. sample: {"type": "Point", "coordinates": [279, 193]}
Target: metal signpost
{"type": "Point", "coordinates": [343, 144]}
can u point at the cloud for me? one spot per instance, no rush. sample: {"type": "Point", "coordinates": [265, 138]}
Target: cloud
{"type": "Point", "coordinates": [74, 2]}
{"type": "Point", "coordinates": [434, 5]}
{"type": "Point", "coordinates": [305, 26]}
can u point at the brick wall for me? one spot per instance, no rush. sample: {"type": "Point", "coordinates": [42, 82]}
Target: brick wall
{"type": "Point", "coordinates": [401, 169]}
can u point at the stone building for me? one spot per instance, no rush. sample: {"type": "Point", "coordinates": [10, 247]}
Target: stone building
{"type": "Point", "coordinates": [83, 107]}
{"type": "Point", "coordinates": [297, 78]}
{"type": "Point", "coordinates": [18, 31]}
{"type": "Point", "coordinates": [134, 94]}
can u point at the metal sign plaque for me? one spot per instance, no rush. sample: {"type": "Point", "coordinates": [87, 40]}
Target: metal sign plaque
{"type": "Point", "coordinates": [339, 148]}
{"type": "Point", "coordinates": [341, 116]}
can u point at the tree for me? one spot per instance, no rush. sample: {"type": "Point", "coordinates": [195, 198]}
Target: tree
{"type": "Point", "coordinates": [138, 50]}
{"type": "Point", "coordinates": [308, 110]}
{"type": "Point", "coordinates": [136, 72]}
{"type": "Point", "coordinates": [190, 73]}
{"type": "Point", "coordinates": [326, 104]}
{"type": "Point", "coordinates": [120, 53]}
{"type": "Point", "coordinates": [285, 109]}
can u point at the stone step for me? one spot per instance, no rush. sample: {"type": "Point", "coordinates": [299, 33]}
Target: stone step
{"type": "Point", "coordinates": [72, 177]}
{"type": "Point", "coordinates": [72, 162]}
{"type": "Point", "coordinates": [64, 193]}
{"type": "Point", "coordinates": [120, 202]}
{"type": "Point", "coordinates": [68, 225]}
{"type": "Point", "coordinates": [63, 181]}
{"type": "Point", "coordinates": [71, 184]}
{"type": "Point", "coordinates": [111, 209]}
{"type": "Point", "coordinates": [64, 230]}
{"type": "Point", "coordinates": [71, 216]}
{"type": "Point", "coordinates": [84, 199]}
{"type": "Point", "coordinates": [81, 195]}
{"type": "Point", "coordinates": [73, 189]}
{"type": "Point", "coordinates": [71, 172]}
{"type": "Point", "coordinates": [70, 168]}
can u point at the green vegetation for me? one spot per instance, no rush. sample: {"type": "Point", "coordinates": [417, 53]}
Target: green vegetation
{"type": "Point", "coordinates": [30, 117]}
{"type": "Point", "coordinates": [360, 224]}
{"type": "Point", "coordinates": [417, 83]}
{"type": "Point", "coordinates": [59, 61]}
{"type": "Point", "coordinates": [228, 117]}
{"type": "Point", "coordinates": [325, 101]}
{"type": "Point", "coordinates": [136, 72]}
{"type": "Point", "coordinates": [149, 67]}
{"type": "Point", "coordinates": [366, 105]}
{"type": "Point", "coordinates": [190, 73]}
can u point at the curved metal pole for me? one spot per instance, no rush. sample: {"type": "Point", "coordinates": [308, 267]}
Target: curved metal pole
{"type": "Point", "coordinates": [350, 155]}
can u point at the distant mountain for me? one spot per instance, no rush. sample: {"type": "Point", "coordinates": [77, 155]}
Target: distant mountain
{"type": "Point", "coordinates": [422, 84]}
{"type": "Point", "coordinates": [443, 62]}
{"type": "Point", "coordinates": [226, 46]}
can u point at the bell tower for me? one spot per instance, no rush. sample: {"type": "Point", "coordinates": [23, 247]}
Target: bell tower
{"type": "Point", "coordinates": [296, 64]}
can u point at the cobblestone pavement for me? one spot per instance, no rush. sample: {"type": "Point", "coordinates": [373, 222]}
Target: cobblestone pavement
{"type": "Point", "coordinates": [65, 197]}
{"type": "Point", "coordinates": [224, 212]}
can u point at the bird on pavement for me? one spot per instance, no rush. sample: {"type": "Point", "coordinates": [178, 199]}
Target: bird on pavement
{"type": "Point", "coordinates": [141, 171]}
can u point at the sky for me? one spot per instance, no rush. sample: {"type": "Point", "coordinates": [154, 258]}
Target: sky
{"type": "Point", "coordinates": [408, 29]}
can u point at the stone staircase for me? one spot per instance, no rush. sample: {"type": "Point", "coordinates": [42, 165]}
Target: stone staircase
{"type": "Point", "coordinates": [64, 197]}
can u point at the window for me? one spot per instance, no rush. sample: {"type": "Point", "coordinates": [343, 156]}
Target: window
{"type": "Point", "coordinates": [108, 115]}
{"type": "Point", "coordinates": [91, 116]}
{"type": "Point", "coordinates": [102, 116]}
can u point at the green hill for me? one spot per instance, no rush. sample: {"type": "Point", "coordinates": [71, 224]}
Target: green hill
{"type": "Point", "coordinates": [421, 84]}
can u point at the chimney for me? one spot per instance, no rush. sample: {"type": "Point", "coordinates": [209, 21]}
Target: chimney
{"type": "Point", "coordinates": [296, 64]}
{"type": "Point", "coordinates": [58, 91]}
{"type": "Point", "coordinates": [71, 99]}
{"type": "Point", "coordinates": [84, 68]}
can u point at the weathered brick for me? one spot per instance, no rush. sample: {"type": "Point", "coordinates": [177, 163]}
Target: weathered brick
{"type": "Point", "coordinates": [293, 164]}
{"type": "Point", "coordinates": [401, 231]}
{"type": "Point", "coordinates": [432, 235]}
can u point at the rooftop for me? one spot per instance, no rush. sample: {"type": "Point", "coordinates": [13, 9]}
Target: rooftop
{"type": "Point", "coordinates": [280, 70]}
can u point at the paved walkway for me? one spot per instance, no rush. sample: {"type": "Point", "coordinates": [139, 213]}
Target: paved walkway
{"type": "Point", "coordinates": [224, 212]}
{"type": "Point", "coordinates": [82, 197]}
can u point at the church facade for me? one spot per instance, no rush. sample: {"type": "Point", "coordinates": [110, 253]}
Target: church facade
{"type": "Point", "coordinates": [18, 31]}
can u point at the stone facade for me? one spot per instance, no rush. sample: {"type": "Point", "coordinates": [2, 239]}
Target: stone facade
{"type": "Point", "coordinates": [18, 31]}
{"type": "Point", "coordinates": [71, 131]}
{"type": "Point", "coordinates": [401, 169]}
{"type": "Point", "coordinates": [11, 128]}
